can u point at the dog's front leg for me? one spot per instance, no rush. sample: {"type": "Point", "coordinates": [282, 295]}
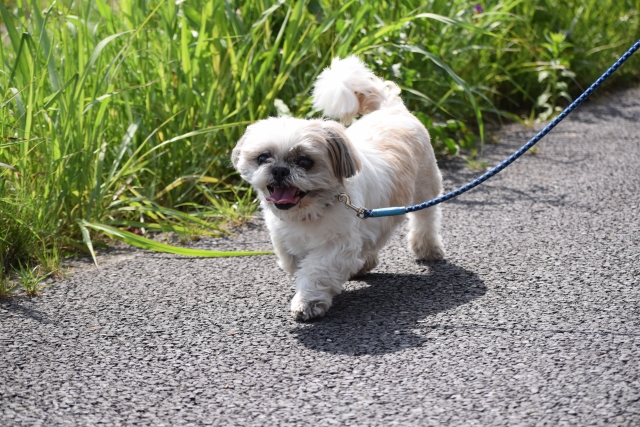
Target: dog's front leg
{"type": "Point", "coordinates": [286, 261]}
{"type": "Point", "coordinates": [321, 275]}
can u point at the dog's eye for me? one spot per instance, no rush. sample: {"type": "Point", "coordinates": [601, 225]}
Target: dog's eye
{"type": "Point", "coordinates": [305, 162]}
{"type": "Point", "coordinates": [262, 158]}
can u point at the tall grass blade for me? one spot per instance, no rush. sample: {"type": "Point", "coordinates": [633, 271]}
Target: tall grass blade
{"type": "Point", "coordinates": [86, 238]}
{"type": "Point", "coordinates": [144, 243]}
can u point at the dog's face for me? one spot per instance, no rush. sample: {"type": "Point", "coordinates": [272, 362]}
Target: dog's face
{"type": "Point", "coordinates": [297, 166]}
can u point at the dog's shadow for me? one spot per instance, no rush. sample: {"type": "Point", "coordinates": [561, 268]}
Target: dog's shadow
{"type": "Point", "coordinates": [378, 316]}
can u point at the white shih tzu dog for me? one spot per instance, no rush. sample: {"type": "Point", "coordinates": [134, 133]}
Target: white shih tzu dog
{"type": "Point", "coordinates": [298, 167]}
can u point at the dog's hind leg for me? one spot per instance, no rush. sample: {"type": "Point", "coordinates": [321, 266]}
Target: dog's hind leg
{"type": "Point", "coordinates": [370, 262]}
{"type": "Point", "coordinates": [424, 237]}
{"type": "Point", "coordinates": [424, 226]}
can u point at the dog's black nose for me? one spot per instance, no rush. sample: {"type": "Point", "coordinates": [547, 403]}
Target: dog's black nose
{"type": "Point", "coordinates": [279, 173]}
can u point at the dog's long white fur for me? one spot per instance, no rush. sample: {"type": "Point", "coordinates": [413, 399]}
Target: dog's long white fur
{"type": "Point", "coordinates": [319, 241]}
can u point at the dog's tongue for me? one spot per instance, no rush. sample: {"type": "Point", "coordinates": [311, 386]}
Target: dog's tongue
{"type": "Point", "coordinates": [283, 195]}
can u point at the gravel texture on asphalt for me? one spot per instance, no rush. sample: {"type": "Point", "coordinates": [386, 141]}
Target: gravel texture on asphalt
{"type": "Point", "coordinates": [534, 318]}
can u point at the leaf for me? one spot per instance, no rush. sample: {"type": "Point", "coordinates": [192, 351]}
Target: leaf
{"type": "Point", "coordinates": [185, 38]}
{"type": "Point", "coordinates": [160, 227]}
{"type": "Point", "coordinates": [44, 42]}
{"type": "Point", "coordinates": [182, 180]}
{"type": "Point", "coordinates": [281, 108]}
{"type": "Point", "coordinates": [4, 165]}
{"type": "Point", "coordinates": [124, 146]}
{"type": "Point", "coordinates": [418, 93]}
{"type": "Point", "coordinates": [13, 34]}
{"type": "Point", "coordinates": [104, 10]}
{"type": "Point", "coordinates": [155, 210]}
{"type": "Point", "coordinates": [73, 78]}
{"type": "Point", "coordinates": [451, 145]}
{"type": "Point", "coordinates": [453, 22]}
{"type": "Point", "coordinates": [316, 9]}
{"type": "Point", "coordinates": [265, 15]}
{"type": "Point", "coordinates": [194, 133]}
{"type": "Point", "coordinates": [543, 98]}
{"type": "Point", "coordinates": [86, 238]}
{"type": "Point", "coordinates": [144, 243]}
{"type": "Point", "coordinates": [542, 75]}
{"type": "Point", "coordinates": [96, 53]}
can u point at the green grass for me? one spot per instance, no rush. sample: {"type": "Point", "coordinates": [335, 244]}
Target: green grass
{"type": "Point", "coordinates": [122, 114]}
{"type": "Point", "coordinates": [30, 280]}
{"type": "Point", "coordinates": [6, 287]}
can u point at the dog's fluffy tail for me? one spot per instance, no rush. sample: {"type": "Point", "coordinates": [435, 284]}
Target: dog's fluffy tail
{"type": "Point", "coordinates": [348, 87]}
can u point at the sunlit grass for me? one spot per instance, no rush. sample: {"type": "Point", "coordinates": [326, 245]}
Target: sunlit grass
{"type": "Point", "coordinates": [121, 115]}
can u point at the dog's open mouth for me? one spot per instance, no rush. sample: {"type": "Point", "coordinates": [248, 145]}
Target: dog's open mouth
{"type": "Point", "coordinates": [285, 197]}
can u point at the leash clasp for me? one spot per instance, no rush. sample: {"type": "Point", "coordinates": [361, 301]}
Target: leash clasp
{"type": "Point", "coordinates": [344, 198]}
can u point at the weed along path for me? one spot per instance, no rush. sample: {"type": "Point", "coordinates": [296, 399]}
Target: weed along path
{"type": "Point", "coordinates": [533, 319]}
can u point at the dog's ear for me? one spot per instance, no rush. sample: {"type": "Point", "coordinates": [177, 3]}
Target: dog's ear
{"type": "Point", "coordinates": [342, 154]}
{"type": "Point", "coordinates": [235, 154]}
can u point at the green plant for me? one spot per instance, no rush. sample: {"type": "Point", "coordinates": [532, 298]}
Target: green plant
{"type": "Point", "coordinates": [476, 164]}
{"type": "Point", "coordinates": [30, 279]}
{"type": "Point", "coordinates": [555, 73]}
{"type": "Point", "coordinates": [49, 260]}
{"type": "Point", "coordinates": [452, 135]}
{"type": "Point", "coordinates": [6, 286]}
{"type": "Point", "coordinates": [24, 228]}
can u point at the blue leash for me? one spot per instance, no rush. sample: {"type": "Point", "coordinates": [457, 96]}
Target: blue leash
{"type": "Point", "coordinates": [401, 210]}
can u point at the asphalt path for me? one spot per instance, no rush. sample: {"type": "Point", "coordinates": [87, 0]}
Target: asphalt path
{"type": "Point", "coordinates": [534, 318]}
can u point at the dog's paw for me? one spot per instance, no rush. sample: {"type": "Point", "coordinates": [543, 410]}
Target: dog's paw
{"type": "Point", "coordinates": [303, 309]}
{"type": "Point", "coordinates": [435, 253]}
{"type": "Point", "coordinates": [427, 252]}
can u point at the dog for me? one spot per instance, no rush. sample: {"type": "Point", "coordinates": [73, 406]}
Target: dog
{"type": "Point", "coordinates": [298, 168]}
